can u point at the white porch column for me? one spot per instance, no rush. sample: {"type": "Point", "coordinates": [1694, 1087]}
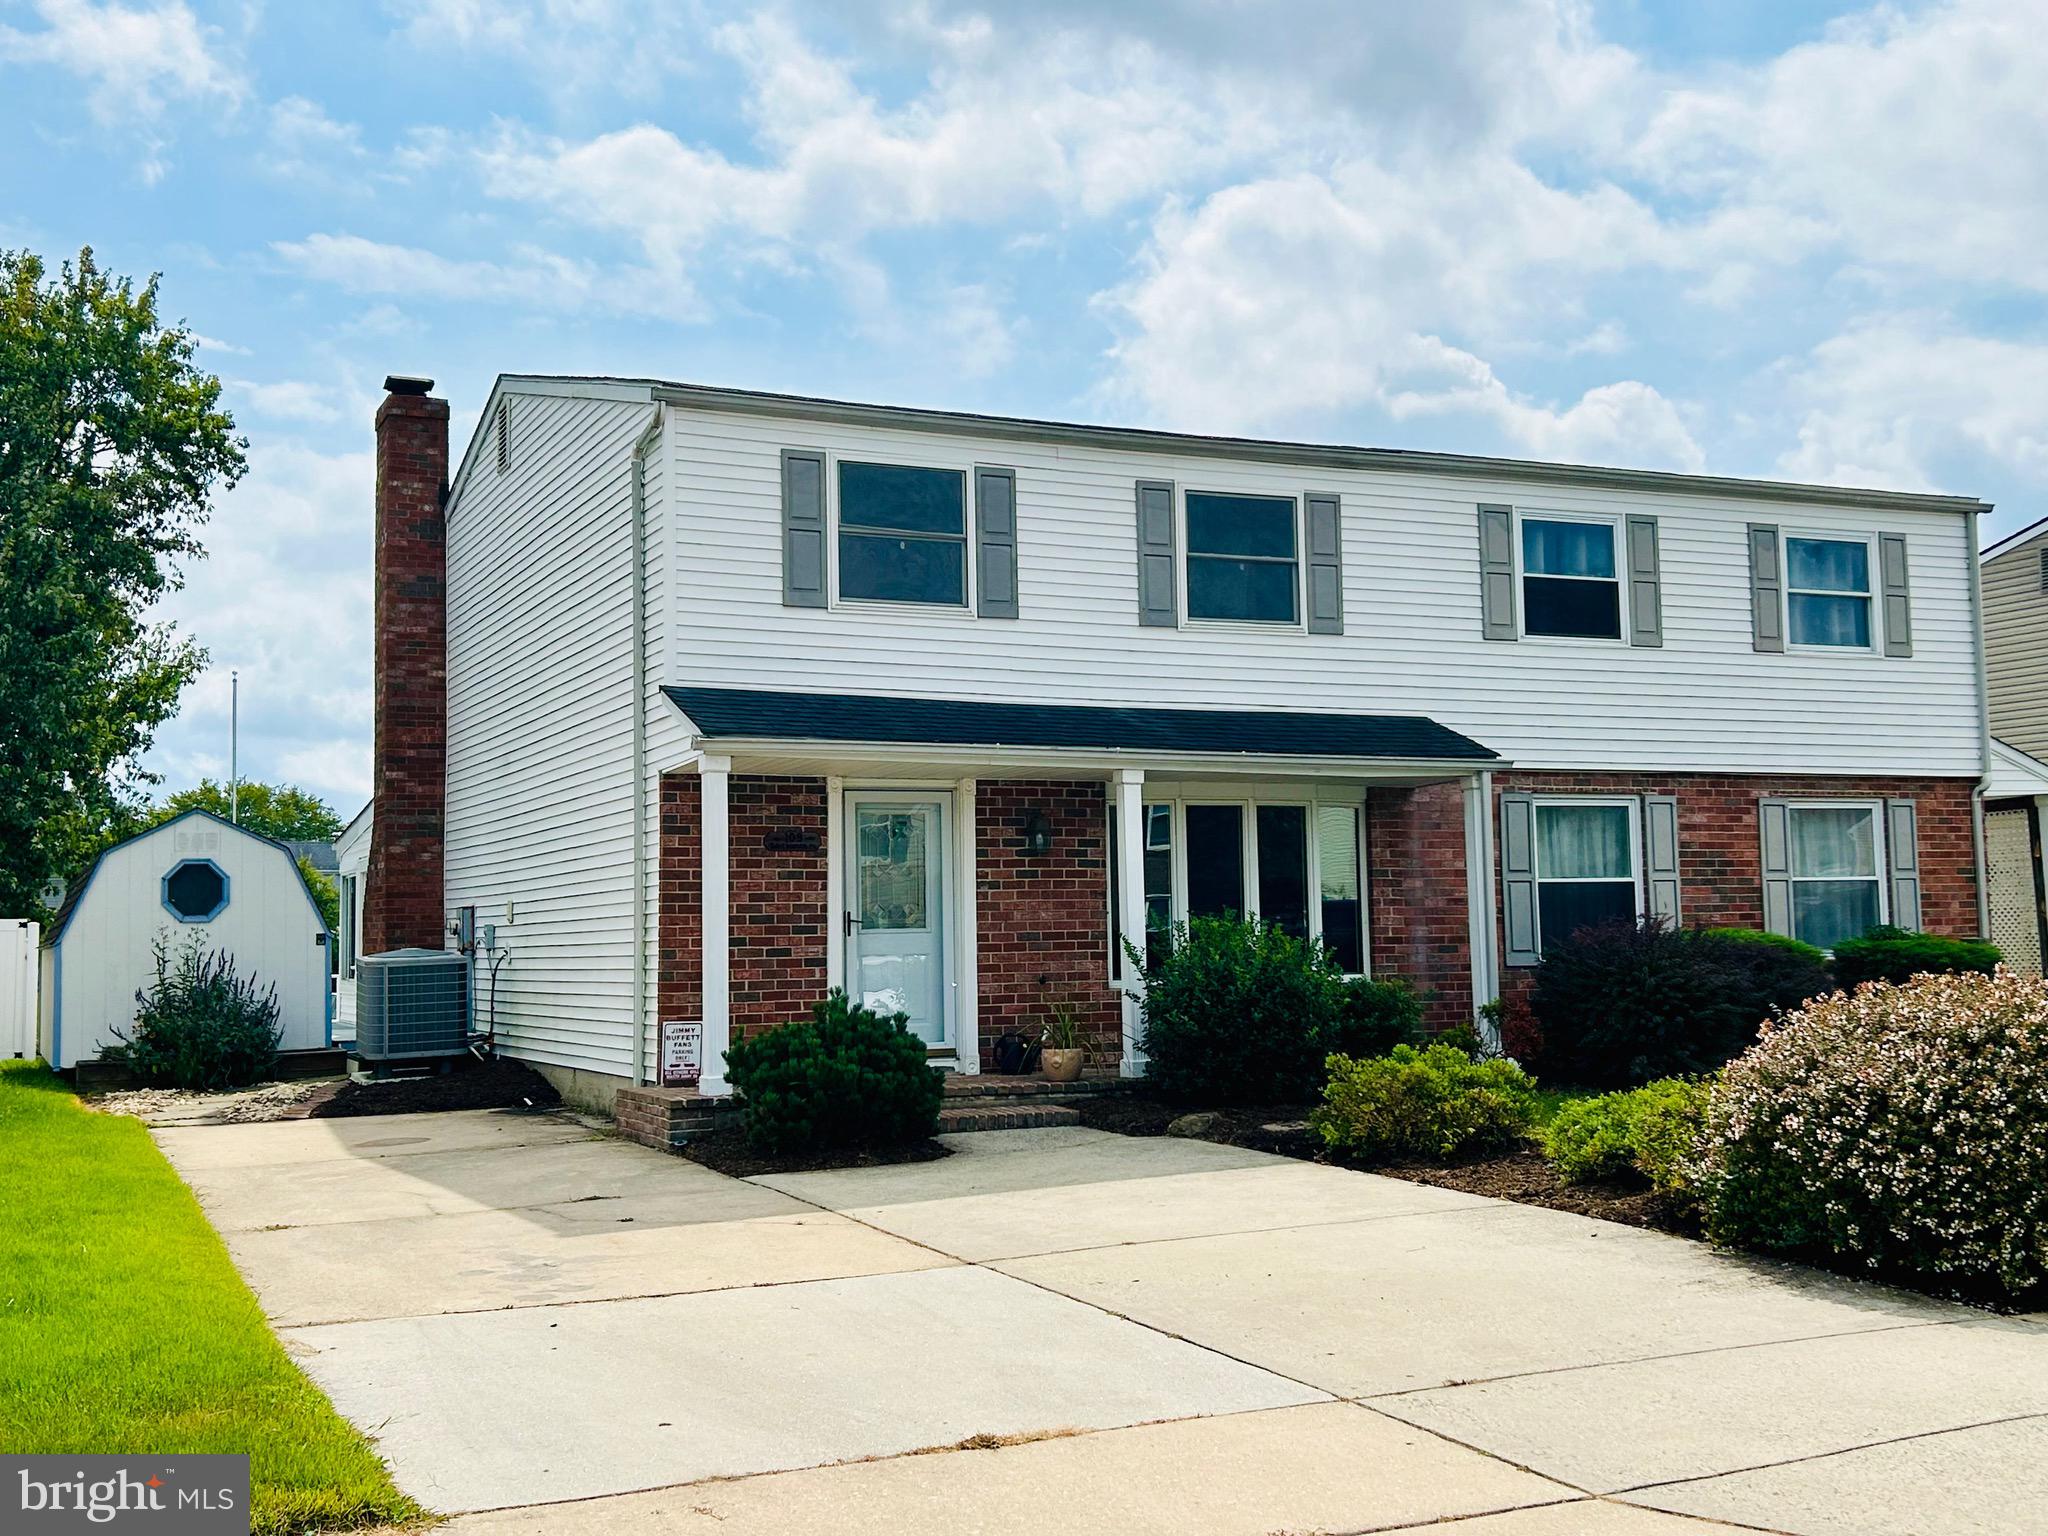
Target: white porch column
{"type": "Point", "coordinates": [967, 931]}
{"type": "Point", "coordinates": [1480, 927]}
{"type": "Point", "coordinates": [1130, 864]}
{"type": "Point", "coordinates": [714, 776]}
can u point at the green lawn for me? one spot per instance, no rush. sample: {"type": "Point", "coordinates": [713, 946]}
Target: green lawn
{"type": "Point", "coordinates": [124, 1327]}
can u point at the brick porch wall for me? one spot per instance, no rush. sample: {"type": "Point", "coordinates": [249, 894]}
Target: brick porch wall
{"type": "Point", "coordinates": [1415, 855]}
{"type": "Point", "coordinates": [1720, 851]}
{"type": "Point", "coordinates": [780, 900]}
{"type": "Point", "coordinates": [780, 903]}
{"type": "Point", "coordinates": [1044, 918]}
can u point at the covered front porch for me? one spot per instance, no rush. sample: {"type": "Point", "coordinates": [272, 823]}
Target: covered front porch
{"type": "Point", "coordinates": [978, 866]}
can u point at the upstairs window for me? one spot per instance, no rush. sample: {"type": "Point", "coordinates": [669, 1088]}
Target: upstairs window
{"type": "Point", "coordinates": [902, 534]}
{"type": "Point", "coordinates": [1827, 592]}
{"type": "Point", "coordinates": [1242, 558]}
{"type": "Point", "coordinates": [1570, 586]}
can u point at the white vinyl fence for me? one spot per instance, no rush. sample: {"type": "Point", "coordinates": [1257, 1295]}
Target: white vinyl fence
{"type": "Point", "coordinates": [20, 955]}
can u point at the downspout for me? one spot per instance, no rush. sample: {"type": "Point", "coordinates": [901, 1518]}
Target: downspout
{"type": "Point", "coordinates": [638, 477]}
{"type": "Point", "coordinates": [1983, 731]}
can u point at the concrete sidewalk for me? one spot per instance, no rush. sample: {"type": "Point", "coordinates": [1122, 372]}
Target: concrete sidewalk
{"type": "Point", "coordinates": [560, 1332]}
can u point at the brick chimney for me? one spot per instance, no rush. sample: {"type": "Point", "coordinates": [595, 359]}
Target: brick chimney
{"type": "Point", "coordinates": [402, 900]}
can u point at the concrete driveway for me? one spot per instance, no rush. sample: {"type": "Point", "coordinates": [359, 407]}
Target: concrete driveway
{"type": "Point", "coordinates": [551, 1331]}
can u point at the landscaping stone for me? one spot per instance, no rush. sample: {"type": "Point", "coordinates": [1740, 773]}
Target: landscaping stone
{"type": "Point", "coordinates": [1200, 1123]}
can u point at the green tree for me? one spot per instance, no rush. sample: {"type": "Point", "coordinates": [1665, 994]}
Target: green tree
{"type": "Point", "coordinates": [111, 443]}
{"type": "Point", "coordinates": [328, 895]}
{"type": "Point", "coordinates": [282, 811]}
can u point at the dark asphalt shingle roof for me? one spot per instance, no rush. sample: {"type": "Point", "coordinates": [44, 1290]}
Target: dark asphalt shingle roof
{"type": "Point", "coordinates": [765, 714]}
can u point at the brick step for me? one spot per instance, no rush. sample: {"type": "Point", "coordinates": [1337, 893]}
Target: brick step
{"type": "Point", "coordinates": [988, 1085]}
{"type": "Point", "coordinates": [1002, 1115]}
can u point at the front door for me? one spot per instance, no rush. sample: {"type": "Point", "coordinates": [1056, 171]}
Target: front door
{"type": "Point", "coordinates": [895, 910]}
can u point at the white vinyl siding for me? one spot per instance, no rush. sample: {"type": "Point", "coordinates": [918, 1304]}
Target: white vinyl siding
{"type": "Point", "coordinates": [1703, 702]}
{"type": "Point", "coordinates": [539, 776]}
{"type": "Point", "coordinates": [2016, 644]}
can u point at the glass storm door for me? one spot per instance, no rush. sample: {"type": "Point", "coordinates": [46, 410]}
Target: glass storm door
{"type": "Point", "coordinates": [895, 944]}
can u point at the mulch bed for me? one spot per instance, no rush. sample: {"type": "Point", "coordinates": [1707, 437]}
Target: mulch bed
{"type": "Point", "coordinates": [729, 1152]}
{"type": "Point", "coordinates": [1283, 1129]}
{"type": "Point", "coordinates": [497, 1084]}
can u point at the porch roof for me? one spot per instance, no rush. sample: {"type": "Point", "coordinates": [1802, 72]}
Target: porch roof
{"type": "Point", "coordinates": [752, 714]}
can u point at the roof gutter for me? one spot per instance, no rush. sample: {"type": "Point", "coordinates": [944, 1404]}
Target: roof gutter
{"type": "Point", "coordinates": [1106, 759]}
{"type": "Point", "coordinates": [1313, 455]}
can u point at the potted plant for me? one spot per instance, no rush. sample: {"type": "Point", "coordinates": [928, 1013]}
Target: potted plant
{"type": "Point", "coordinates": [1060, 1043]}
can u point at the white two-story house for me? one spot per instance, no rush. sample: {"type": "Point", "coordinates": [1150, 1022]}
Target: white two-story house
{"type": "Point", "coordinates": [708, 700]}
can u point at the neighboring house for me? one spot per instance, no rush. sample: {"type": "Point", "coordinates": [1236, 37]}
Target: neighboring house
{"type": "Point", "coordinates": [193, 879]}
{"type": "Point", "coordinates": [318, 853]}
{"type": "Point", "coordinates": [2015, 586]}
{"type": "Point", "coordinates": [709, 700]}
{"type": "Point", "coordinates": [351, 862]}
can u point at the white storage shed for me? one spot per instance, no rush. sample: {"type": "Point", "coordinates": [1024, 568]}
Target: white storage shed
{"type": "Point", "coordinates": [194, 875]}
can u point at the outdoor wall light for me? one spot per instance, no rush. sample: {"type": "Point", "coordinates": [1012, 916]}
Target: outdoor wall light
{"type": "Point", "coordinates": [1037, 832]}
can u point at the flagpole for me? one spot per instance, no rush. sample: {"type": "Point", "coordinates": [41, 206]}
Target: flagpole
{"type": "Point", "coordinates": [234, 746]}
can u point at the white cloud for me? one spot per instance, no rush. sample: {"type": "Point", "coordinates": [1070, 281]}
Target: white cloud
{"type": "Point", "coordinates": [284, 598]}
{"type": "Point", "coordinates": [573, 48]}
{"type": "Point", "coordinates": [542, 279]}
{"type": "Point", "coordinates": [134, 60]}
{"type": "Point", "coordinates": [1886, 401]}
{"type": "Point", "coordinates": [1293, 301]}
{"type": "Point", "coordinates": [1915, 140]}
{"type": "Point", "coordinates": [289, 399]}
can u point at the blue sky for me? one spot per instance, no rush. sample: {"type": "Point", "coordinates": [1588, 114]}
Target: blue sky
{"type": "Point", "coordinates": [1785, 239]}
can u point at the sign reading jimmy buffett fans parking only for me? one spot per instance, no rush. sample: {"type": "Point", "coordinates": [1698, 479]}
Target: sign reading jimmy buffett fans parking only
{"type": "Point", "coordinates": [682, 1052]}
{"type": "Point", "coordinates": [157, 1495]}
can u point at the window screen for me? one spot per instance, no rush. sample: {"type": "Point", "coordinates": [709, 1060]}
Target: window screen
{"type": "Point", "coordinates": [1569, 585]}
{"type": "Point", "coordinates": [902, 534]}
{"type": "Point", "coordinates": [1241, 558]}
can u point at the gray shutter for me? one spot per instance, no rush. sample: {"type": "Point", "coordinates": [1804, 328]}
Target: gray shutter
{"type": "Point", "coordinates": [1645, 584]}
{"type": "Point", "coordinates": [803, 528]}
{"type": "Point", "coordinates": [1898, 597]}
{"type": "Point", "coordinates": [1774, 819]}
{"type": "Point", "coordinates": [995, 547]}
{"type": "Point", "coordinates": [1766, 589]}
{"type": "Point", "coordinates": [1518, 879]}
{"type": "Point", "coordinates": [1156, 601]}
{"type": "Point", "coordinates": [1497, 573]}
{"type": "Point", "coordinates": [1660, 856]}
{"type": "Point", "coordinates": [1325, 564]}
{"type": "Point", "coordinates": [1902, 849]}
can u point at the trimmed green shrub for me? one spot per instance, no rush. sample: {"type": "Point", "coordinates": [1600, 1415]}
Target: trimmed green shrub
{"type": "Point", "coordinates": [1893, 954]}
{"type": "Point", "coordinates": [201, 1023]}
{"type": "Point", "coordinates": [1238, 1012]}
{"type": "Point", "coordinates": [1622, 1004]}
{"type": "Point", "coordinates": [1374, 1016]}
{"type": "Point", "coordinates": [1436, 1102]}
{"type": "Point", "coordinates": [1811, 954]}
{"type": "Point", "coordinates": [1898, 1129]}
{"type": "Point", "coordinates": [1651, 1132]}
{"type": "Point", "coordinates": [846, 1077]}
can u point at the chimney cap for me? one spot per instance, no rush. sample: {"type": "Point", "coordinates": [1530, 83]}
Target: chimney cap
{"type": "Point", "coordinates": [406, 384]}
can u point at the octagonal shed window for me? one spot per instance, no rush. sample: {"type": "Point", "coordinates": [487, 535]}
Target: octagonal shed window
{"type": "Point", "coordinates": [196, 890]}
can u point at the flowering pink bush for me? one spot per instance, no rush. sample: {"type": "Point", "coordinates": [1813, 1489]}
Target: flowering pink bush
{"type": "Point", "coordinates": [1901, 1129]}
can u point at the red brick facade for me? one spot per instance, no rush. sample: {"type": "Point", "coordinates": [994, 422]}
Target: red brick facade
{"type": "Point", "coordinates": [1720, 848]}
{"type": "Point", "coordinates": [402, 899]}
{"type": "Point", "coordinates": [1044, 917]}
{"type": "Point", "coordinates": [780, 901]}
{"type": "Point", "coordinates": [1415, 859]}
